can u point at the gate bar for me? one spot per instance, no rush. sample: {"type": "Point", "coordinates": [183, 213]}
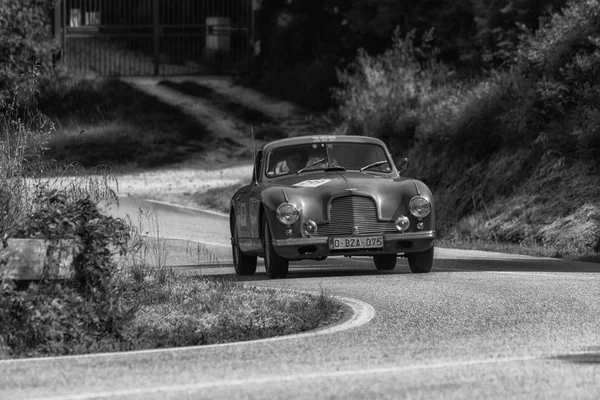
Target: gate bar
{"type": "Point", "coordinates": [155, 12]}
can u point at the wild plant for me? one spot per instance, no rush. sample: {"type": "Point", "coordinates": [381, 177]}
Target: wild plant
{"type": "Point", "coordinates": [24, 134]}
{"type": "Point", "coordinates": [384, 94]}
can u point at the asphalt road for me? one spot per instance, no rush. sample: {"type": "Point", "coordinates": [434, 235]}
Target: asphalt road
{"type": "Point", "coordinates": [480, 325]}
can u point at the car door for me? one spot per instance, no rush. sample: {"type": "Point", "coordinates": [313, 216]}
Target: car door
{"type": "Point", "coordinates": [255, 199]}
{"type": "Point", "coordinates": [247, 211]}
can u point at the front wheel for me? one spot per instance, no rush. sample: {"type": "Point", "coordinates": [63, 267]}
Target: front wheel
{"type": "Point", "coordinates": [421, 262]}
{"type": "Point", "coordinates": [242, 263]}
{"type": "Point", "coordinates": [275, 265]}
{"type": "Point", "coordinates": [385, 262]}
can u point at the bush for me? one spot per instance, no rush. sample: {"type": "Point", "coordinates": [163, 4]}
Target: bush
{"type": "Point", "coordinates": [95, 235]}
{"type": "Point", "coordinates": [563, 60]}
{"type": "Point", "coordinates": [25, 48]}
{"type": "Point", "coordinates": [383, 95]}
{"type": "Point", "coordinates": [50, 319]}
{"type": "Point", "coordinates": [66, 318]}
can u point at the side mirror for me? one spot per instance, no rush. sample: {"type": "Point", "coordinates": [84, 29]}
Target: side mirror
{"type": "Point", "coordinates": [402, 164]}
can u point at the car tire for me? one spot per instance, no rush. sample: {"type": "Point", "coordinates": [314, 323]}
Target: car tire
{"type": "Point", "coordinates": [385, 262]}
{"type": "Point", "coordinates": [243, 264]}
{"type": "Point", "coordinates": [421, 262]}
{"type": "Point", "coordinates": [275, 265]}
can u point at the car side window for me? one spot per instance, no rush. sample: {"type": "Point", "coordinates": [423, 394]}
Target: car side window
{"type": "Point", "coordinates": [257, 165]}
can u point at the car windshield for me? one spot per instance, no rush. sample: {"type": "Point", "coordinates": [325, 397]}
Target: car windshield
{"type": "Point", "coordinates": [364, 157]}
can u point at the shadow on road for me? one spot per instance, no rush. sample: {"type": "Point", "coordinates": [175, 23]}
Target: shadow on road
{"type": "Point", "coordinates": [592, 356]}
{"type": "Point", "coordinates": [515, 265]}
{"type": "Point", "coordinates": [364, 267]}
{"type": "Point", "coordinates": [298, 272]}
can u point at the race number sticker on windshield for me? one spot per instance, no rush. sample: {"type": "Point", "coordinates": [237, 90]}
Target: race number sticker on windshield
{"type": "Point", "coordinates": [323, 139]}
{"type": "Point", "coordinates": [312, 183]}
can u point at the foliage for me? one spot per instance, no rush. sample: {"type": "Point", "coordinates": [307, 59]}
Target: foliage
{"type": "Point", "coordinates": [92, 306]}
{"type": "Point", "coordinates": [500, 25]}
{"type": "Point", "coordinates": [51, 319]}
{"type": "Point", "coordinates": [25, 42]}
{"type": "Point", "coordinates": [563, 61]}
{"type": "Point", "coordinates": [24, 134]}
{"type": "Point", "coordinates": [512, 131]}
{"type": "Point", "coordinates": [384, 95]}
{"type": "Point", "coordinates": [66, 318]}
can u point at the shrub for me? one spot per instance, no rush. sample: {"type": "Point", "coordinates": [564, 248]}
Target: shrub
{"type": "Point", "coordinates": [25, 42]}
{"type": "Point", "coordinates": [383, 95]}
{"type": "Point", "coordinates": [72, 317]}
{"type": "Point", "coordinates": [95, 235]}
{"type": "Point", "coordinates": [563, 59]}
{"type": "Point", "coordinates": [50, 319]}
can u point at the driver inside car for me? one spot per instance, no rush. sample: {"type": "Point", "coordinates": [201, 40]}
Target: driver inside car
{"type": "Point", "coordinates": [294, 161]}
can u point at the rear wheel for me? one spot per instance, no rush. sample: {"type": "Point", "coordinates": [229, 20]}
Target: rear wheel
{"type": "Point", "coordinates": [385, 262]}
{"type": "Point", "coordinates": [421, 262]}
{"type": "Point", "coordinates": [242, 263]}
{"type": "Point", "coordinates": [275, 265]}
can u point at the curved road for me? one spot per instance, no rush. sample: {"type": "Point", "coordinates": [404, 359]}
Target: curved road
{"type": "Point", "coordinates": [481, 325]}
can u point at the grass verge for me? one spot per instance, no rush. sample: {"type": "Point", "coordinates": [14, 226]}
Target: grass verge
{"type": "Point", "coordinates": [216, 199]}
{"type": "Point", "coordinates": [195, 310]}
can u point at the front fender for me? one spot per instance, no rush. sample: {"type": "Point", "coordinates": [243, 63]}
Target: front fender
{"type": "Point", "coordinates": [271, 199]}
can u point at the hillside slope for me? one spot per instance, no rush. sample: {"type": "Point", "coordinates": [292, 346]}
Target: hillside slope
{"type": "Point", "coordinates": [514, 156]}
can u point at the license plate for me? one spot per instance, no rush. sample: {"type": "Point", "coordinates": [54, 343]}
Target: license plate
{"type": "Point", "coordinates": [358, 242]}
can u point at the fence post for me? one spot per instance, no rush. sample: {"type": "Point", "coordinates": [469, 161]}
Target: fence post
{"type": "Point", "coordinates": [156, 35]}
{"type": "Point", "coordinates": [63, 32]}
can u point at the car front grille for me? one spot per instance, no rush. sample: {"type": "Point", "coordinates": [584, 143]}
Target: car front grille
{"type": "Point", "coordinates": [350, 212]}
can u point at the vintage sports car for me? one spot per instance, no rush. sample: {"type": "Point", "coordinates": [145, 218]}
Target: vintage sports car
{"type": "Point", "coordinates": [317, 196]}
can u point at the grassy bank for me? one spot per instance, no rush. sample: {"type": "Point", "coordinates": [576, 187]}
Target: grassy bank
{"type": "Point", "coordinates": [511, 155]}
{"type": "Point", "coordinates": [108, 122]}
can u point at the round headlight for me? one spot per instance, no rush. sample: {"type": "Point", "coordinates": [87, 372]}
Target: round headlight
{"type": "Point", "coordinates": [419, 206]}
{"type": "Point", "coordinates": [287, 214]}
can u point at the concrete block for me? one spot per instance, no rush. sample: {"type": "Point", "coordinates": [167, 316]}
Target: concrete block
{"type": "Point", "coordinates": [33, 259]}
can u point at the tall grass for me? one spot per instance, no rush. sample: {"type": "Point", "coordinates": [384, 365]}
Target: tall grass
{"type": "Point", "coordinates": [23, 137]}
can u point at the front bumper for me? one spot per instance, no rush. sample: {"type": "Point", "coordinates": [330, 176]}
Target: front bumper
{"type": "Point", "coordinates": [318, 247]}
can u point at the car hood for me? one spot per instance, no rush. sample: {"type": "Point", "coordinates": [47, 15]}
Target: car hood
{"type": "Point", "coordinates": [313, 192]}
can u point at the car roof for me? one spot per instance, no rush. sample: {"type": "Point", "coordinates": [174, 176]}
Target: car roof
{"type": "Point", "coordinates": [320, 139]}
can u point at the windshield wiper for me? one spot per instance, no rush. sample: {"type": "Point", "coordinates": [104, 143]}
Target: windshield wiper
{"type": "Point", "coordinates": [373, 165]}
{"type": "Point", "coordinates": [311, 165]}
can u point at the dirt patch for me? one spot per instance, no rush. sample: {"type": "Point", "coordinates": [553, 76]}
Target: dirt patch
{"type": "Point", "coordinates": [230, 113]}
{"type": "Point", "coordinates": [224, 102]}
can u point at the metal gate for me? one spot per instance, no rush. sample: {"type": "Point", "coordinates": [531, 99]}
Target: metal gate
{"type": "Point", "coordinates": [155, 37]}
